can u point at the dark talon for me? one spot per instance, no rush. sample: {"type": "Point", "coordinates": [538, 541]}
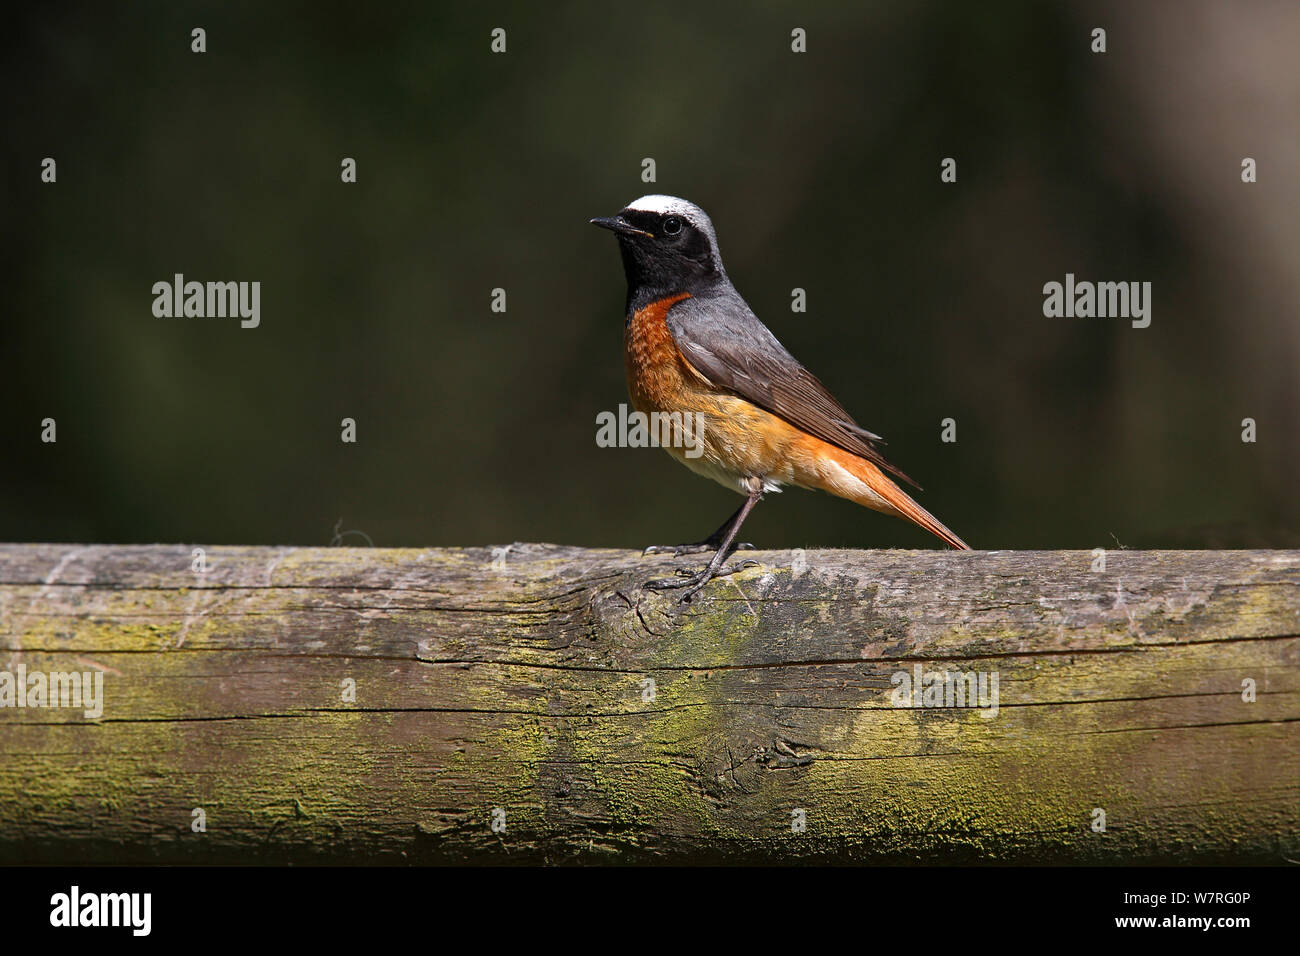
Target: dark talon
{"type": "Point", "coordinates": [699, 547]}
{"type": "Point", "coordinates": [721, 543]}
{"type": "Point", "coordinates": [693, 582]}
{"type": "Point", "coordinates": [663, 584]}
{"type": "Point", "coordinates": [679, 549]}
{"type": "Point", "coordinates": [713, 542]}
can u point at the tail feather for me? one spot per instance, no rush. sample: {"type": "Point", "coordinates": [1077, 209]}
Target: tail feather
{"type": "Point", "coordinates": [879, 493]}
{"type": "Point", "coordinates": [917, 515]}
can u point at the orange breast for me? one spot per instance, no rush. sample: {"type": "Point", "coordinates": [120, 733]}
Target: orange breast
{"type": "Point", "coordinates": [736, 439]}
{"type": "Point", "coordinates": [658, 378]}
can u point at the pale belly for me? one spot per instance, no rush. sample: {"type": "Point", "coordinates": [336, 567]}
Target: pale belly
{"type": "Point", "coordinates": [731, 441]}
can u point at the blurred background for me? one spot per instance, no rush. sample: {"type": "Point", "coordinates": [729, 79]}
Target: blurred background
{"type": "Point", "coordinates": [477, 171]}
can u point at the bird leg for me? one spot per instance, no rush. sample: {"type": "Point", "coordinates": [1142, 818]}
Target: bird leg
{"type": "Point", "coordinates": [711, 543]}
{"type": "Point", "coordinates": [717, 567]}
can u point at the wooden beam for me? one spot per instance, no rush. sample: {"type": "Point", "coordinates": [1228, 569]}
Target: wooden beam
{"type": "Point", "coordinates": [542, 688]}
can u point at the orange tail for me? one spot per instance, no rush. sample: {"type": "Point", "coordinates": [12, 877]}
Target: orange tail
{"type": "Point", "coordinates": [907, 508]}
{"type": "Point", "coordinates": [844, 474]}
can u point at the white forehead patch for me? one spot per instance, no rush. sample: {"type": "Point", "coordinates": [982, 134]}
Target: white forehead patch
{"type": "Point", "coordinates": [666, 204]}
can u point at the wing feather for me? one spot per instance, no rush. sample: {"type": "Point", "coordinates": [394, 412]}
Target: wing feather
{"type": "Point", "coordinates": [728, 345]}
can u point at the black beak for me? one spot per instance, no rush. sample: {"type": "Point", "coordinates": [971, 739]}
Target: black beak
{"type": "Point", "coordinates": [621, 225]}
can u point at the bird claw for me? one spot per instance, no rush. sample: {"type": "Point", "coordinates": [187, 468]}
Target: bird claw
{"type": "Point", "coordinates": [699, 547]}
{"type": "Point", "coordinates": [694, 581]}
{"type": "Point", "coordinates": [678, 549]}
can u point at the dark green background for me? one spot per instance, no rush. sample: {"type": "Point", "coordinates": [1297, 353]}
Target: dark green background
{"type": "Point", "coordinates": [475, 171]}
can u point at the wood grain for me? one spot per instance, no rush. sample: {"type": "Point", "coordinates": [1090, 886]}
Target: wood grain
{"type": "Point", "coordinates": [520, 683]}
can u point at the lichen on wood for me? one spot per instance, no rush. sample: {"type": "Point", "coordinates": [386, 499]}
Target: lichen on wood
{"type": "Point", "coordinates": [538, 704]}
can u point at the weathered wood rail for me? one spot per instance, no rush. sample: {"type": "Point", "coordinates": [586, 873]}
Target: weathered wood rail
{"type": "Point", "coordinates": [542, 688]}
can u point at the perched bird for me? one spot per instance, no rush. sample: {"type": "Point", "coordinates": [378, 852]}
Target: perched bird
{"type": "Point", "coordinates": [693, 347]}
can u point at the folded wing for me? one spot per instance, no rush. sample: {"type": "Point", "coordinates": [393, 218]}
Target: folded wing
{"type": "Point", "coordinates": [726, 343]}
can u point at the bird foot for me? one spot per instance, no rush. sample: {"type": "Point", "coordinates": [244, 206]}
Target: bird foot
{"type": "Point", "coordinates": [699, 547]}
{"type": "Point", "coordinates": [694, 581]}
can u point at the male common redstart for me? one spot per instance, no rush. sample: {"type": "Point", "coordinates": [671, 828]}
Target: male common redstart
{"type": "Point", "coordinates": [693, 347]}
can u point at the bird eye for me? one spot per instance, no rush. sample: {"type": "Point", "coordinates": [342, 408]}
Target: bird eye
{"type": "Point", "coordinates": [672, 226]}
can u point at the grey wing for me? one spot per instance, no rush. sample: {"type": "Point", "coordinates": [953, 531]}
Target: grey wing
{"type": "Point", "coordinates": [727, 344]}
